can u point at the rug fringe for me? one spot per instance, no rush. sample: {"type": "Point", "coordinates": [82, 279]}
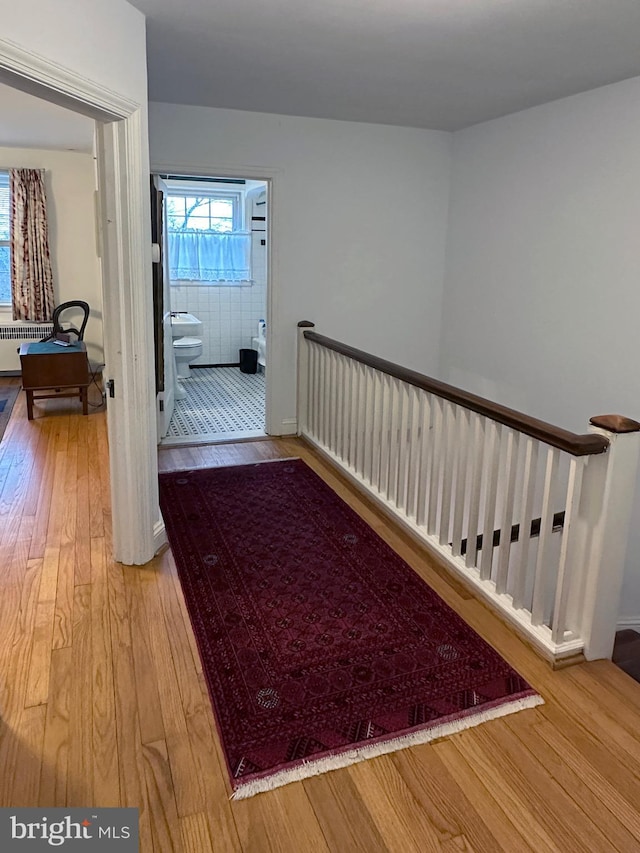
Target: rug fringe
{"type": "Point", "coordinates": [362, 753]}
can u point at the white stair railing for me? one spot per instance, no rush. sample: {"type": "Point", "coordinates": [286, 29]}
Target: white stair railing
{"type": "Point", "coordinates": [533, 517]}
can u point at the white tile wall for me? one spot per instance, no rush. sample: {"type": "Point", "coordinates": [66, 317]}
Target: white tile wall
{"type": "Point", "coordinates": [229, 313]}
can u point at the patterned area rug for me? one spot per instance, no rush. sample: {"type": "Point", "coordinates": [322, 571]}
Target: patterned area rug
{"type": "Point", "coordinates": [321, 647]}
{"type": "Point", "coordinates": [8, 396]}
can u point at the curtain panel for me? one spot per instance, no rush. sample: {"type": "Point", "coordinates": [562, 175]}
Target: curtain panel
{"type": "Point", "coordinates": [31, 276]}
{"type": "Point", "coordinates": [209, 256]}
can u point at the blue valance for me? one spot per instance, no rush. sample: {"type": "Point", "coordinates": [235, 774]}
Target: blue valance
{"type": "Point", "coordinates": [209, 256]}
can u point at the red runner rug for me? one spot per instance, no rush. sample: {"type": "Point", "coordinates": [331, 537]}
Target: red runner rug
{"type": "Point", "coordinates": [320, 645]}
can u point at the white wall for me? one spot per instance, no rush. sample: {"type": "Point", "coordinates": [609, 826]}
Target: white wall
{"type": "Point", "coordinates": [70, 186]}
{"type": "Point", "coordinates": [542, 294]}
{"type": "Point", "coordinates": [103, 41]}
{"type": "Point", "coordinates": [229, 314]}
{"type": "Point", "coordinates": [358, 227]}
{"type": "Point", "coordinates": [30, 122]}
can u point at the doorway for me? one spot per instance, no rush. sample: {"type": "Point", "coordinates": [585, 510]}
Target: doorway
{"type": "Point", "coordinates": [138, 530]}
{"type": "Point", "coordinates": [212, 368]}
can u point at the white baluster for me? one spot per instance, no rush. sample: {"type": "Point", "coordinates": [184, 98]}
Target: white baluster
{"type": "Point", "coordinates": [340, 401]}
{"type": "Point", "coordinates": [353, 414]}
{"type": "Point", "coordinates": [475, 466]}
{"type": "Point", "coordinates": [324, 396]}
{"type": "Point", "coordinates": [436, 463]}
{"type": "Point", "coordinates": [348, 396]}
{"type": "Point", "coordinates": [510, 471]}
{"type": "Point", "coordinates": [414, 459]}
{"type": "Point", "coordinates": [385, 437]}
{"type": "Point", "coordinates": [403, 433]}
{"type": "Point", "coordinates": [460, 496]}
{"type": "Point", "coordinates": [377, 429]}
{"type": "Point", "coordinates": [543, 560]}
{"type": "Point", "coordinates": [367, 424]}
{"type": "Point", "coordinates": [423, 478]}
{"type": "Point", "coordinates": [493, 442]}
{"type": "Point", "coordinates": [392, 484]}
{"type": "Point", "coordinates": [449, 459]}
{"type": "Point", "coordinates": [319, 356]}
{"type": "Point", "coordinates": [559, 622]}
{"type": "Point", "coordinates": [526, 513]}
{"type": "Point", "coordinates": [308, 405]}
{"type": "Point", "coordinates": [332, 399]}
{"type": "Point", "coordinates": [361, 425]}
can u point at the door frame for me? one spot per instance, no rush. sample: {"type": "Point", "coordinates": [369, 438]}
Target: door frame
{"type": "Point", "coordinates": [273, 423]}
{"type": "Point", "coordinates": [123, 212]}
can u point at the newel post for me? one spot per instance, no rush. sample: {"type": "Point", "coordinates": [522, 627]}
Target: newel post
{"type": "Point", "coordinates": [303, 376]}
{"type": "Point", "coordinates": [607, 498]}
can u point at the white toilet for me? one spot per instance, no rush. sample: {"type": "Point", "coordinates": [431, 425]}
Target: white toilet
{"type": "Point", "coordinates": [186, 348]}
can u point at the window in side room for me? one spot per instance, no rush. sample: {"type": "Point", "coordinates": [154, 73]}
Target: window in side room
{"type": "Point", "coordinates": [5, 245]}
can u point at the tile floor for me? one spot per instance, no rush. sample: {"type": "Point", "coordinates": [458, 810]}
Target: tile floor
{"type": "Point", "coordinates": [221, 404]}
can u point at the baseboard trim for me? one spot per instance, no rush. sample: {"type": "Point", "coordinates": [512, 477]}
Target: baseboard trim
{"type": "Point", "coordinates": [159, 536]}
{"type": "Point", "coordinates": [626, 622]}
{"type": "Point", "coordinates": [288, 426]}
{"type": "Point", "coordinates": [223, 364]}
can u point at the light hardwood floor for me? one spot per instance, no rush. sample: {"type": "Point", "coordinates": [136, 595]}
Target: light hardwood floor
{"type": "Point", "coordinates": [102, 699]}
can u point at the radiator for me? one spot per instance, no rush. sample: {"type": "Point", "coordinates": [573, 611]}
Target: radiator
{"type": "Point", "coordinates": [12, 335]}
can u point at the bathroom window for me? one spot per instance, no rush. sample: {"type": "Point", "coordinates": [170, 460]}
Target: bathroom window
{"type": "Point", "coordinates": [5, 245]}
{"type": "Point", "coordinates": [206, 240]}
{"type": "Point", "coordinates": [219, 213]}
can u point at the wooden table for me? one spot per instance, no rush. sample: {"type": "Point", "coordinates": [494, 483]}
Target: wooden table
{"type": "Point", "coordinates": [49, 367]}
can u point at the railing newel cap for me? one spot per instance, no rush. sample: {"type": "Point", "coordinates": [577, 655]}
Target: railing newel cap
{"type": "Point", "coordinates": [615, 423]}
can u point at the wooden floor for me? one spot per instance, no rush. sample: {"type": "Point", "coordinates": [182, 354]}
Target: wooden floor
{"type": "Point", "coordinates": [102, 699]}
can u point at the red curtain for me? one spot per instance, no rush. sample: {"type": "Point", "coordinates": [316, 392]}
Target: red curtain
{"type": "Point", "coordinates": [31, 277]}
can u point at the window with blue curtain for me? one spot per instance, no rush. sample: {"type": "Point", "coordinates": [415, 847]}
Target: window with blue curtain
{"type": "Point", "coordinates": [206, 241]}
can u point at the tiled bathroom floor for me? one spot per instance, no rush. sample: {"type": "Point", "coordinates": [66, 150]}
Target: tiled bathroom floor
{"type": "Point", "coordinates": [221, 403]}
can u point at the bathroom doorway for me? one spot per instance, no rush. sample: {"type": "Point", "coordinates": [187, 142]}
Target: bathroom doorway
{"type": "Point", "coordinates": [211, 298]}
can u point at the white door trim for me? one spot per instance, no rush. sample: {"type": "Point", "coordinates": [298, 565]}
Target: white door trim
{"type": "Point", "coordinates": [273, 420]}
{"type": "Point", "coordinates": [138, 530]}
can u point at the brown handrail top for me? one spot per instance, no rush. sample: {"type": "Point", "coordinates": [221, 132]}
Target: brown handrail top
{"type": "Point", "coordinates": [571, 442]}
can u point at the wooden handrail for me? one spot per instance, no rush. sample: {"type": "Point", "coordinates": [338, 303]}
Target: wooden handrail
{"type": "Point", "coordinates": [573, 443]}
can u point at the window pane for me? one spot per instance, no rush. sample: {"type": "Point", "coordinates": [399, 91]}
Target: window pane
{"type": "Point", "coordinates": [222, 225]}
{"type": "Point", "coordinates": [201, 212]}
{"type": "Point", "coordinates": [5, 206]}
{"type": "Point", "coordinates": [175, 211]}
{"type": "Point", "coordinates": [5, 274]}
{"type": "Point", "coordinates": [198, 222]}
{"type": "Point", "coordinates": [222, 207]}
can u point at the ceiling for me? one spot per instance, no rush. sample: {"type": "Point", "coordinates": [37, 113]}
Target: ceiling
{"type": "Point", "coordinates": [442, 64]}
{"type": "Point", "coordinates": [30, 122]}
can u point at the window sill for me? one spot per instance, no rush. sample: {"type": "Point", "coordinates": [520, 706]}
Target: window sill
{"type": "Point", "coordinates": [190, 283]}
